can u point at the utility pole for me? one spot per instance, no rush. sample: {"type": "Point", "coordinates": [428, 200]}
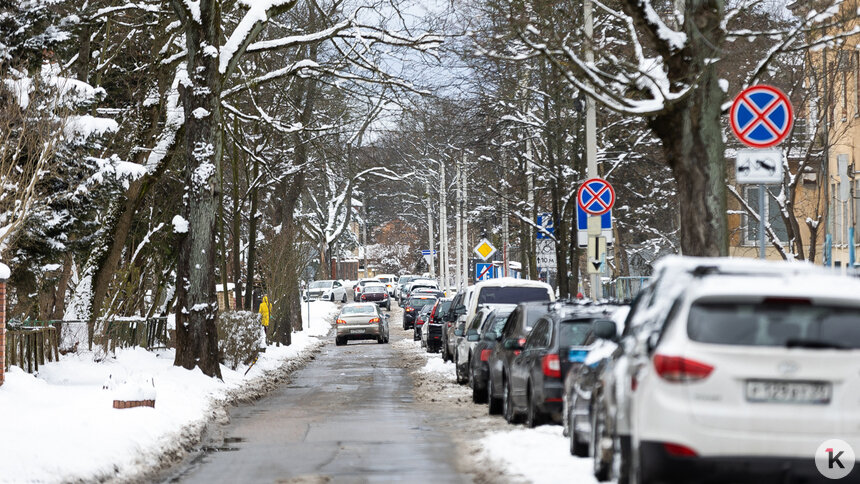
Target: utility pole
{"type": "Point", "coordinates": [530, 186]}
{"type": "Point", "coordinates": [505, 233]}
{"type": "Point", "coordinates": [443, 227]}
{"type": "Point", "coordinates": [459, 242]}
{"type": "Point", "coordinates": [430, 227]}
{"type": "Point", "coordinates": [594, 227]}
{"type": "Point", "coordinates": [465, 208]}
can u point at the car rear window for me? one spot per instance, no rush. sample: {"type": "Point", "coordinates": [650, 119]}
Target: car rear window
{"type": "Point", "coordinates": [784, 324]}
{"type": "Point", "coordinates": [573, 332]}
{"type": "Point", "coordinates": [420, 303]}
{"type": "Point", "coordinates": [374, 289]}
{"type": "Point", "coordinates": [512, 295]}
{"type": "Point", "coordinates": [358, 309]}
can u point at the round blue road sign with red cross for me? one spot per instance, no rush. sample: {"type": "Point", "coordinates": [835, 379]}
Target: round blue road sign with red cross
{"type": "Point", "coordinates": [761, 116]}
{"type": "Point", "coordinates": [596, 196]}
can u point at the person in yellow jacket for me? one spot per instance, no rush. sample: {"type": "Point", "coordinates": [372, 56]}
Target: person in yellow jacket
{"type": "Point", "coordinates": [265, 310]}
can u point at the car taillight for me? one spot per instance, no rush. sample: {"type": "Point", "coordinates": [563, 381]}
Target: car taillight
{"type": "Point", "coordinates": [485, 355]}
{"type": "Point", "coordinates": [409, 310]}
{"type": "Point", "coordinates": [678, 450]}
{"type": "Point", "coordinates": [521, 341]}
{"type": "Point", "coordinates": [677, 369]}
{"type": "Point", "coordinates": [551, 366]}
{"type": "Point", "coordinates": [374, 320]}
{"type": "Point", "coordinates": [340, 321]}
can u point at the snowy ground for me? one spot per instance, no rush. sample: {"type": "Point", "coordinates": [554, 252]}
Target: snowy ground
{"type": "Point", "coordinates": [63, 426]}
{"type": "Point", "coordinates": [491, 450]}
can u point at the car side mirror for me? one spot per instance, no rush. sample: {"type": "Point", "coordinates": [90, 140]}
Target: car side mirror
{"type": "Point", "coordinates": [473, 337]}
{"type": "Point", "coordinates": [472, 332]}
{"type": "Point", "coordinates": [386, 316]}
{"type": "Point", "coordinates": [512, 344]}
{"type": "Point", "coordinates": [606, 329]}
{"type": "Point", "coordinates": [458, 332]}
{"type": "Point", "coordinates": [490, 336]}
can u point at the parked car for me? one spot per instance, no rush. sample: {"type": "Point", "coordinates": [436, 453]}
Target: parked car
{"type": "Point", "coordinates": [722, 356]}
{"type": "Point", "coordinates": [486, 316]}
{"type": "Point", "coordinates": [401, 284]}
{"type": "Point", "coordinates": [514, 334]}
{"type": "Point", "coordinates": [431, 332]}
{"type": "Point", "coordinates": [412, 307]}
{"type": "Point", "coordinates": [376, 293]}
{"type": "Point", "coordinates": [422, 317]}
{"type": "Point", "coordinates": [361, 321]}
{"type": "Point", "coordinates": [389, 281]}
{"type": "Point", "coordinates": [479, 369]}
{"type": "Point", "coordinates": [456, 312]}
{"type": "Point", "coordinates": [507, 290]}
{"type": "Point", "coordinates": [587, 362]}
{"type": "Point", "coordinates": [419, 284]}
{"type": "Point", "coordinates": [326, 290]}
{"type": "Point", "coordinates": [359, 287]}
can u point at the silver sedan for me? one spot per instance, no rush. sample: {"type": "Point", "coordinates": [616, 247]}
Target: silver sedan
{"type": "Point", "coordinates": [361, 321]}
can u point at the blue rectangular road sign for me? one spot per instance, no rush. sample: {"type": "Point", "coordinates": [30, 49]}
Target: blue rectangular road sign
{"type": "Point", "coordinates": [582, 225]}
{"type": "Point", "coordinates": [428, 252]}
{"type": "Point", "coordinates": [483, 271]}
{"type": "Point", "coordinates": [544, 220]}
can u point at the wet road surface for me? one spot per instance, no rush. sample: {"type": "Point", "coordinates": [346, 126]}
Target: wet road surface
{"type": "Point", "coordinates": [348, 416]}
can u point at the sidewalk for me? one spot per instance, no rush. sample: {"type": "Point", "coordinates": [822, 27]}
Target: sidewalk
{"type": "Point", "coordinates": [61, 425]}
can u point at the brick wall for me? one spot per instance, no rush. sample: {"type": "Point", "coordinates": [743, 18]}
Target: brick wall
{"type": "Point", "coordinates": [2, 330]}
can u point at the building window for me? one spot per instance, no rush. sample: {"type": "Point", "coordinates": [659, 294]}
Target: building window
{"type": "Point", "coordinates": [772, 215]}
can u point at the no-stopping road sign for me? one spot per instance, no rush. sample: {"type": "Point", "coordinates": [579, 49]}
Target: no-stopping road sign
{"type": "Point", "coordinates": [596, 196]}
{"type": "Point", "coordinates": [761, 116]}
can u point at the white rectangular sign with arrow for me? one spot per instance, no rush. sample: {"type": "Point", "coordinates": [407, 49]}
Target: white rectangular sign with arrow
{"type": "Point", "coordinates": [596, 254]}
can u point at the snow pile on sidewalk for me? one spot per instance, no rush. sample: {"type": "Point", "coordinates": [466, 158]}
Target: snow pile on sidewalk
{"type": "Point", "coordinates": [539, 455]}
{"type": "Point", "coordinates": [62, 426]}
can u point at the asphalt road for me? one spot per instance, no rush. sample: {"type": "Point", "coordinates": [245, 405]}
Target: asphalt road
{"type": "Point", "coordinates": [348, 416]}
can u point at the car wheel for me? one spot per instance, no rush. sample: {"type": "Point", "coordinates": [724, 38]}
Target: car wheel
{"type": "Point", "coordinates": [445, 352]}
{"type": "Point", "coordinates": [508, 404]}
{"type": "Point", "coordinates": [577, 448]}
{"type": "Point", "coordinates": [479, 395]}
{"type": "Point", "coordinates": [494, 404]}
{"type": "Point", "coordinates": [534, 417]}
{"type": "Point", "coordinates": [462, 378]}
{"type": "Point", "coordinates": [612, 463]}
{"type": "Point", "coordinates": [343, 299]}
{"type": "Point", "coordinates": [339, 342]}
{"type": "Point", "coordinates": [415, 335]}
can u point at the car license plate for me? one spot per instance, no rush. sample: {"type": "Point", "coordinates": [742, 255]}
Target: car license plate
{"type": "Point", "coordinates": [577, 356]}
{"type": "Point", "coordinates": [356, 331]}
{"type": "Point", "coordinates": [775, 391]}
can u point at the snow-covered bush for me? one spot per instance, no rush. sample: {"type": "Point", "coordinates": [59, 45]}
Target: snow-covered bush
{"type": "Point", "coordinates": [240, 336]}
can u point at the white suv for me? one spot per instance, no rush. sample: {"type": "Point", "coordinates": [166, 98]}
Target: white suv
{"type": "Point", "coordinates": [751, 370]}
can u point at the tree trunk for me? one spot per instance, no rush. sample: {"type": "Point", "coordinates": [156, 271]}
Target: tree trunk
{"type": "Point", "coordinates": [692, 134]}
{"type": "Point", "coordinates": [197, 335]}
{"type": "Point", "coordinates": [237, 227]}
{"type": "Point", "coordinates": [252, 239]}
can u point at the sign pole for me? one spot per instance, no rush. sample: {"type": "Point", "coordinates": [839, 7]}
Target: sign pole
{"type": "Point", "coordinates": [761, 239]}
{"type": "Point", "coordinates": [594, 229]}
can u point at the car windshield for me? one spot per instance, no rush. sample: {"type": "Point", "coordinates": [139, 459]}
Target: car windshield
{"type": "Point", "coordinates": [358, 309]}
{"type": "Point", "coordinates": [420, 303]}
{"type": "Point", "coordinates": [320, 285]}
{"type": "Point", "coordinates": [373, 289]}
{"type": "Point", "coordinates": [512, 295]}
{"type": "Point", "coordinates": [573, 332]}
{"type": "Point", "coordinates": [497, 322]}
{"type": "Point", "coordinates": [405, 279]}
{"type": "Point", "coordinates": [790, 324]}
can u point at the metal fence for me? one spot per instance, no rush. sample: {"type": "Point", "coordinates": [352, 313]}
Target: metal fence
{"type": "Point", "coordinates": [625, 288]}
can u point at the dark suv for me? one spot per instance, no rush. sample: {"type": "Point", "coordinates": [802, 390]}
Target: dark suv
{"type": "Point", "coordinates": [513, 337]}
{"type": "Point", "coordinates": [411, 308]}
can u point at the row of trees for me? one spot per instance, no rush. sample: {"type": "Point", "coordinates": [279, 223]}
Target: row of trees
{"type": "Point", "coordinates": [152, 150]}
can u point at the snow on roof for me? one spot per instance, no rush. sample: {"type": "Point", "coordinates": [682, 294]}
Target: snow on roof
{"type": "Point", "coordinates": [5, 273]}
{"type": "Point", "coordinates": [511, 281]}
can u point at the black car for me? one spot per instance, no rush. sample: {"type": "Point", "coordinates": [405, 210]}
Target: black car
{"type": "Point", "coordinates": [455, 310]}
{"type": "Point", "coordinates": [436, 326]}
{"type": "Point", "coordinates": [535, 386]}
{"type": "Point", "coordinates": [412, 306]}
{"type": "Point", "coordinates": [580, 380]}
{"type": "Point", "coordinates": [479, 368]}
{"type": "Point", "coordinates": [514, 334]}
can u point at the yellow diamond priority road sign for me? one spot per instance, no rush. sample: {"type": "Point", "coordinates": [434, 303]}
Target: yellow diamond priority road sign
{"type": "Point", "coordinates": [485, 249]}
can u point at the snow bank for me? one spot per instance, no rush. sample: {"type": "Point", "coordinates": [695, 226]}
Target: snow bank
{"type": "Point", "coordinates": [5, 273]}
{"type": "Point", "coordinates": [66, 410]}
{"type": "Point", "coordinates": [540, 455]}
{"type": "Point", "coordinates": [439, 367]}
